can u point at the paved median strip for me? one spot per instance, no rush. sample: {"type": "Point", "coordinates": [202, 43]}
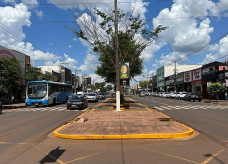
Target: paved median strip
{"type": "Point", "coordinates": [120, 125]}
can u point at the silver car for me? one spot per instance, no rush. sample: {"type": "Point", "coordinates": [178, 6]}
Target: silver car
{"type": "Point", "coordinates": [92, 97]}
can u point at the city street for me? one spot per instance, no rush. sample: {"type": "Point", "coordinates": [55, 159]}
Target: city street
{"type": "Point", "coordinates": [209, 119]}
{"type": "Point", "coordinates": [26, 137]}
{"type": "Point", "coordinates": [21, 128]}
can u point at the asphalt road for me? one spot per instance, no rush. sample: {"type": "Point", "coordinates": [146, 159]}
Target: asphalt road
{"type": "Point", "coordinates": [23, 127]}
{"type": "Point", "coordinates": [200, 149]}
{"type": "Point", "coordinates": [208, 118]}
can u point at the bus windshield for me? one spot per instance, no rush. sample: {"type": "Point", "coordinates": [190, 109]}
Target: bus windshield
{"type": "Point", "coordinates": [37, 90]}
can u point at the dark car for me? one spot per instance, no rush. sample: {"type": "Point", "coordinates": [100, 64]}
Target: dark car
{"type": "Point", "coordinates": [192, 96]}
{"type": "Point", "coordinates": [101, 96]}
{"type": "Point", "coordinates": [0, 107]}
{"type": "Point", "coordinates": [77, 101]}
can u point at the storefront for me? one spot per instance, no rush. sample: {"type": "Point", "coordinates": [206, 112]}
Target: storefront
{"type": "Point", "coordinates": [187, 81]}
{"type": "Point", "coordinates": [169, 83]}
{"type": "Point", "coordinates": [214, 72]}
{"type": "Point", "coordinates": [180, 82]}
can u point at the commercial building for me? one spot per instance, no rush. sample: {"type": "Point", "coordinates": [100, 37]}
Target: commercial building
{"type": "Point", "coordinates": [61, 73]}
{"type": "Point", "coordinates": [164, 83]}
{"type": "Point", "coordinates": [24, 65]}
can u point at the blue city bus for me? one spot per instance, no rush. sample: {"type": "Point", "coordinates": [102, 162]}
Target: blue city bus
{"type": "Point", "coordinates": [47, 92]}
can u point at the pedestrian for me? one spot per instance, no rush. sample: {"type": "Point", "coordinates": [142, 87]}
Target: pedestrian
{"type": "Point", "coordinates": [226, 96]}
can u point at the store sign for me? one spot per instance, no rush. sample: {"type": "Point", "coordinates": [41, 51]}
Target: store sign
{"type": "Point", "coordinates": [208, 70]}
{"type": "Point", "coordinates": [196, 75]}
{"type": "Point", "coordinates": [188, 76]}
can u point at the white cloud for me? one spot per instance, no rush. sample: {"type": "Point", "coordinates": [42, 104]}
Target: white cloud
{"type": "Point", "coordinates": [96, 78]}
{"type": "Point", "coordinates": [218, 52]}
{"type": "Point", "coordinates": [70, 63]}
{"type": "Point", "coordinates": [13, 19]}
{"type": "Point", "coordinates": [185, 33]}
{"type": "Point", "coordinates": [170, 58]}
{"type": "Point", "coordinates": [139, 7]}
{"type": "Point", "coordinates": [90, 63]}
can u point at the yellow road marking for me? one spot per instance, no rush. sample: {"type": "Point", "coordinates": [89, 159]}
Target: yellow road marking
{"type": "Point", "coordinates": [4, 143]}
{"type": "Point", "coordinates": [80, 158]}
{"type": "Point", "coordinates": [213, 156]}
{"type": "Point", "coordinates": [173, 156]}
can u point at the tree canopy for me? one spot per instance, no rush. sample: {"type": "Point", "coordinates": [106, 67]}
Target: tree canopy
{"type": "Point", "coordinates": [34, 74]}
{"type": "Point", "coordinates": [215, 89]}
{"type": "Point", "coordinates": [10, 76]}
{"type": "Point", "coordinates": [97, 29]}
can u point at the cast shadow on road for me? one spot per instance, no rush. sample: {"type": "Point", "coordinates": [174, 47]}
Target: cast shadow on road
{"type": "Point", "coordinates": [214, 157]}
{"type": "Point", "coordinates": [52, 156]}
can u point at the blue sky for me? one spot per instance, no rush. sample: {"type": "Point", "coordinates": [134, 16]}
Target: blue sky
{"type": "Point", "coordinates": [197, 33]}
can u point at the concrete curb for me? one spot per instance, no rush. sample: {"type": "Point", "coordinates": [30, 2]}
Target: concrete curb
{"type": "Point", "coordinates": [190, 132]}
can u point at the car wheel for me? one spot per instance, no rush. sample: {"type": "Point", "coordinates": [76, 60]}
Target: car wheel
{"type": "Point", "coordinates": [68, 107]}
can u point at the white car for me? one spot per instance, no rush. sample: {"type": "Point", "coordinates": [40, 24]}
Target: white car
{"type": "Point", "coordinates": [173, 95]}
{"type": "Point", "coordinates": [92, 97]}
{"type": "Point", "coordinates": [182, 95]}
{"type": "Point", "coordinates": [177, 95]}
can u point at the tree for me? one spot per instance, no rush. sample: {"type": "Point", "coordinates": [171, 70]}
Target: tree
{"type": "Point", "coordinates": [143, 84]}
{"type": "Point", "coordinates": [48, 76]}
{"type": "Point", "coordinates": [109, 87]}
{"type": "Point", "coordinates": [32, 74]}
{"type": "Point", "coordinates": [96, 28]}
{"type": "Point", "coordinates": [215, 89]}
{"type": "Point", "coordinates": [10, 76]}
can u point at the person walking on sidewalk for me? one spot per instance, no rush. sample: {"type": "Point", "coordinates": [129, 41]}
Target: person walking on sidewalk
{"type": "Point", "coordinates": [226, 96]}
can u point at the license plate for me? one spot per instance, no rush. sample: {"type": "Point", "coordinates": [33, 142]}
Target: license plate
{"type": "Point", "coordinates": [74, 105]}
{"type": "Point", "coordinates": [36, 103]}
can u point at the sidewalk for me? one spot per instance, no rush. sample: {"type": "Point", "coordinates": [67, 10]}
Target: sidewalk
{"type": "Point", "coordinates": [103, 122]}
{"type": "Point", "coordinates": [12, 106]}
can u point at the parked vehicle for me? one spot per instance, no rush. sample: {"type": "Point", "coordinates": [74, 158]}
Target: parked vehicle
{"type": "Point", "coordinates": [148, 93]}
{"type": "Point", "coordinates": [193, 96]}
{"type": "Point", "coordinates": [168, 95]}
{"type": "Point", "coordinates": [101, 96]}
{"type": "Point", "coordinates": [164, 94]}
{"type": "Point", "coordinates": [172, 96]}
{"type": "Point", "coordinates": [92, 97]}
{"type": "Point", "coordinates": [77, 101]}
{"type": "Point", "coordinates": [142, 94]}
{"type": "Point", "coordinates": [182, 95]}
{"type": "Point", "coordinates": [177, 95]}
{"type": "Point", "coordinates": [0, 107]}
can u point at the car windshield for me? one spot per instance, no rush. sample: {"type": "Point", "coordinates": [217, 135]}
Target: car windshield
{"type": "Point", "coordinates": [37, 90]}
{"type": "Point", "coordinates": [75, 97]}
{"type": "Point", "coordinates": [100, 93]}
{"type": "Point", "coordinates": [91, 94]}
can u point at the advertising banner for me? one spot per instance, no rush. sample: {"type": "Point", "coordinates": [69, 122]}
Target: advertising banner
{"type": "Point", "coordinates": [188, 76]}
{"type": "Point", "coordinates": [196, 75]}
{"type": "Point", "coordinates": [124, 70]}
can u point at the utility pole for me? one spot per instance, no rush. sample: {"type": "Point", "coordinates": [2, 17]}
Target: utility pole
{"type": "Point", "coordinates": [175, 76]}
{"type": "Point", "coordinates": [75, 91]}
{"type": "Point", "coordinates": [117, 60]}
{"type": "Point", "coordinates": [152, 81]}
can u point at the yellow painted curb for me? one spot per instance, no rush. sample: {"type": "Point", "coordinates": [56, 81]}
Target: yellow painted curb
{"type": "Point", "coordinates": [188, 133]}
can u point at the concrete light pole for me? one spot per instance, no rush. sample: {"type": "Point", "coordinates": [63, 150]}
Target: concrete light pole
{"type": "Point", "coordinates": [117, 61]}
